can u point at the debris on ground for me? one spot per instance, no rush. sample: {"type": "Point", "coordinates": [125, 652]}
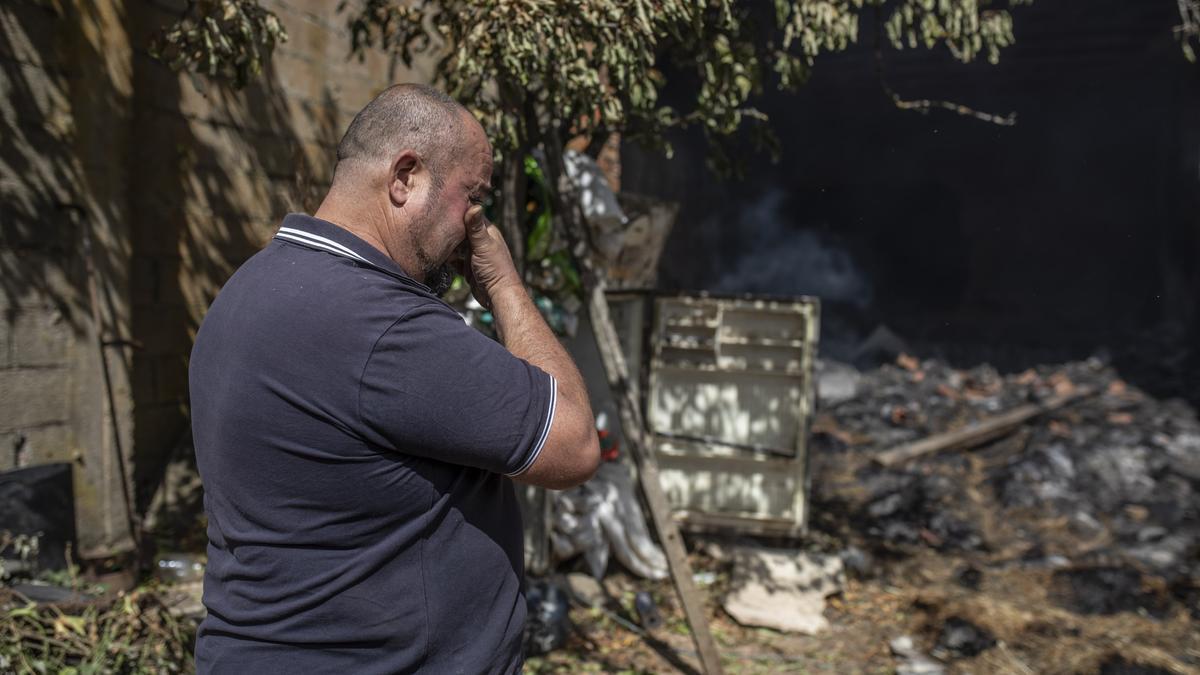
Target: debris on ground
{"type": "Point", "coordinates": [1116, 474]}
{"type": "Point", "coordinates": [547, 622]}
{"type": "Point", "coordinates": [584, 589]}
{"type": "Point", "coordinates": [1091, 510]}
{"type": "Point", "coordinates": [130, 632]}
{"type": "Point", "coordinates": [783, 589]}
{"type": "Point", "coordinates": [602, 517]}
{"type": "Point", "coordinates": [647, 611]}
{"type": "Point", "coordinates": [1070, 544]}
{"type": "Point", "coordinates": [910, 660]}
{"type": "Point", "coordinates": [960, 638]}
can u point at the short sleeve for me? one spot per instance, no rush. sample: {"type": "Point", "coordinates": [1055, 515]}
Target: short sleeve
{"type": "Point", "coordinates": [436, 388]}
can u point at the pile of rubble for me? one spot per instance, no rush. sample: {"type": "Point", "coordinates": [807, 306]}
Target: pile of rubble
{"type": "Point", "coordinates": [1106, 490]}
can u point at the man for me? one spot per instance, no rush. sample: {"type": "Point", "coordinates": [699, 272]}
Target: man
{"type": "Point", "coordinates": [356, 438]}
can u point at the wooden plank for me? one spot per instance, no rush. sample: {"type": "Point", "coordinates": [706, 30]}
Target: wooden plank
{"type": "Point", "coordinates": [567, 204]}
{"type": "Point", "coordinates": [734, 523]}
{"type": "Point", "coordinates": [660, 511]}
{"type": "Point", "coordinates": [713, 440]}
{"type": "Point", "coordinates": [976, 434]}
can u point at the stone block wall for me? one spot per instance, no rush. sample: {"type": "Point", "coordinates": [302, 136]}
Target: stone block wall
{"type": "Point", "coordinates": [64, 107]}
{"type": "Point", "coordinates": [178, 180]}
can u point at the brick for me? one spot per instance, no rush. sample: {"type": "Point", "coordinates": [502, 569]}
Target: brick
{"type": "Point", "coordinates": [32, 397]}
{"type": "Point", "coordinates": [41, 338]}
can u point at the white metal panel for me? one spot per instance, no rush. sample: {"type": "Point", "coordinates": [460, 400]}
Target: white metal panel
{"type": "Point", "coordinates": [729, 399]}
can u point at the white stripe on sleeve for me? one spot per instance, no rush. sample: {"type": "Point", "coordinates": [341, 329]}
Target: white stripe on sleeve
{"type": "Point", "coordinates": [537, 448]}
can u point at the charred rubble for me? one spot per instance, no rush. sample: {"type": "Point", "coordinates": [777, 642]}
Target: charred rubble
{"type": "Point", "coordinates": [1105, 492]}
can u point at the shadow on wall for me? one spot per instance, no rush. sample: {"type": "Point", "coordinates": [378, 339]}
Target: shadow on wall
{"type": "Point", "coordinates": [47, 195]}
{"type": "Point", "coordinates": [64, 109]}
{"type": "Point", "coordinates": [178, 181]}
{"type": "Point", "coordinates": [213, 171]}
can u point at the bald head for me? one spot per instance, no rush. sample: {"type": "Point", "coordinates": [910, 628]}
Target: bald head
{"type": "Point", "coordinates": [409, 167]}
{"type": "Point", "coordinates": [405, 116]}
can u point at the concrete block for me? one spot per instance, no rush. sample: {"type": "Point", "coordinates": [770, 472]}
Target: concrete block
{"type": "Point", "coordinates": [11, 443]}
{"type": "Point", "coordinates": [41, 337]}
{"type": "Point", "coordinates": [201, 279]}
{"type": "Point", "coordinates": [32, 34]}
{"type": "Point", "coordinates": [156, 430]}
{"type": "Point", "coordinates": [32, 397]}
{"type": "Point", "coordinates": [6, 330]}
{"type": "Point", "coordinates": [164, 330]}
{"type": "Point", "coordinates": [144, 379]}
{"type": "Point", "coordinates": [54, 284]}
{"type": "Point", "coordinates": [172, 378]}
{"type": "Point", "coordinates": [143, 280]}
{"type": "Point", "coordinates": [157, 281]}
{"type": "Point", "coordinates": [38, 445]}
{"type": "Point", "coordinates": [37, 95]}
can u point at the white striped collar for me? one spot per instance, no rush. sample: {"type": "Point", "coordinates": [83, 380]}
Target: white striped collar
{"type": "Point", "coordinates": [316, 241]}
{"type": "Point", "coordinates": [321, 235]}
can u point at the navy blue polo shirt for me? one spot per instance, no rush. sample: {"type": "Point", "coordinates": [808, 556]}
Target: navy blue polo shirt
{"type": "Point", "coordinates": [354, 436]}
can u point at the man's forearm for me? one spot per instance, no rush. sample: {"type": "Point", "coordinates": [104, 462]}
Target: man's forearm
{"type": "Point", "coordinates": [524, 332]}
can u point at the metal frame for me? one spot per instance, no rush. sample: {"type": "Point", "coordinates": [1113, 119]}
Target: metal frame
{"type": "Point", "coordinates": [716, 456]}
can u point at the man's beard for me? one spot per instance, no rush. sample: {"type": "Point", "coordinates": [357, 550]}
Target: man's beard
{"type": "Point", "coordinates": [438, 276]}
{"type": "Point", "coordinates": [439, 279]}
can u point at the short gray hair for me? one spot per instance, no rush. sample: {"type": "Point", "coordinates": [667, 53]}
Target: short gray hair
{"type": "Point", "coordinates": [403, 116]}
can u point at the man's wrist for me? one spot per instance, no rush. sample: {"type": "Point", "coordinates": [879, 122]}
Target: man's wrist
{"type": "Point", "coordinates": [507, 292]}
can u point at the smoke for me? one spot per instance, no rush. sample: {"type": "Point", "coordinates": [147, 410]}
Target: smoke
{"type": "Point", "coordinates": [783, 260]}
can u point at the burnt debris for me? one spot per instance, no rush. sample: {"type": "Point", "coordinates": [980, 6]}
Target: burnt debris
{"type": "Point", "coordinates": [1102, 494]}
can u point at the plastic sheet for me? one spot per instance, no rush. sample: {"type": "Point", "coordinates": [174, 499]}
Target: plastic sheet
{"type": "Point", "coordinates": [603, 517]}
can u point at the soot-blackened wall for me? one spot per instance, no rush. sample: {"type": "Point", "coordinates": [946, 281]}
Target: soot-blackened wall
{"type": "Point", "coordinates": [1076, 231]}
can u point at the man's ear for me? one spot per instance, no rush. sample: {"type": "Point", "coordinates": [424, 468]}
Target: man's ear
{"type": "Point", "coordinates": [400, 180]}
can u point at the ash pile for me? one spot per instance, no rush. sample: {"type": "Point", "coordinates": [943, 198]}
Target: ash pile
{"type": "Point", "coordinates": [1103, 493]}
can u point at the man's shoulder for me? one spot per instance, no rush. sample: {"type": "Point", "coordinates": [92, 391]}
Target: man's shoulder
{"type": "Point", "coordinates": [291, 294]}
{"type": "Point", "coordinates": [317, 282]}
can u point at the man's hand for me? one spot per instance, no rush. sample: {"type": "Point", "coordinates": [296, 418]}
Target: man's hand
{"type": "Point", "coordinates": [571, 451]}
{"type": "Point", "coordinates": [488, 266]}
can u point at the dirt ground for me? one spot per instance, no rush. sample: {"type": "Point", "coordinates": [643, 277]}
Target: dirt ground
{"type": "Point", "coordinates": [914, 596]}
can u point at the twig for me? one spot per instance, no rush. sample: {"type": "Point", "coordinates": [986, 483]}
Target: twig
{"type": "Point", "coordinates": [1017, 663]}
{"type": "Point", "coordinates": [925, 105]}
{"type": "Point", "coordinates": [36, 638]}
{"type": "Point", "coordinates": [1189, 14]}
{"type": "Point", "coordinates": [1189, 28]}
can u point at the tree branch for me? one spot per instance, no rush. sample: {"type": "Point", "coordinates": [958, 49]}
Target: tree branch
{"type": "Point", "coordinates": [923, 106]}
{"type": "Point", "coordinates": [1189, 27]}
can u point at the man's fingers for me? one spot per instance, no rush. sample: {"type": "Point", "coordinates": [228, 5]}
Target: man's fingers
{"type": "Point", "coordinates": [474, 221]}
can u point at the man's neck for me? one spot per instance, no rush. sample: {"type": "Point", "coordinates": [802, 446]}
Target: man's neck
{"type": "Point", "coordinates": [366, 226]}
